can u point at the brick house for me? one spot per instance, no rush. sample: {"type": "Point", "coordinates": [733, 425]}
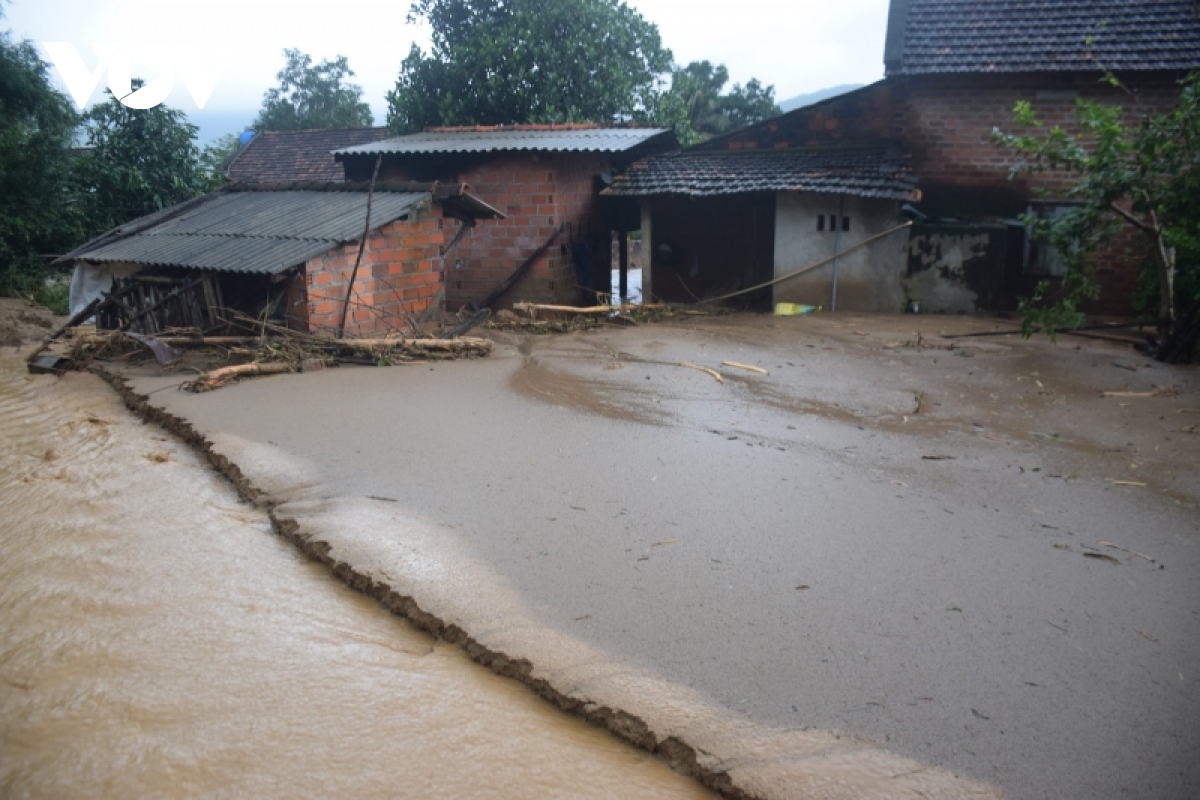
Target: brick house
{"type": "Point", "coordinates": [545, 178]}
{"type": "Point", "coordinates": [290, 250]}
{"type": "Point", "coordinates": [285, 156]}
{"type": "Point", "coordinates": [957, 68]}
{"type": "Point", "coordinates": [759, 203]}
{"type": "Point", "coordinates": [954, 71]}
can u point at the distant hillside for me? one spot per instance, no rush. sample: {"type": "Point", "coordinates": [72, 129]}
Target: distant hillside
{"type": "Point", "coordinates": [802, 100]}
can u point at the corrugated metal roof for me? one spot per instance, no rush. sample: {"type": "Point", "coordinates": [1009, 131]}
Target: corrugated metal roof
{"type": "Point", "coordinates": [877, 173]}
{"type": "Point", "coordinates": [245, 231]}
{"type": "Point", "coordinates": [600, 140]}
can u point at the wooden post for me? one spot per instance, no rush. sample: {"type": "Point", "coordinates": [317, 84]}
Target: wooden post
{"type": "Point", "coordinates": [647, 255]}
{"type": "Point", "coordinates": [623, 261]}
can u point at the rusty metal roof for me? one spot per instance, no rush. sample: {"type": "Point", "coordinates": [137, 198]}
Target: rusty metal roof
{"type": "Point", "coordinates": [881, 173]}
{"type": "Point", "coordinates": [253, 231]}
{"type": "Point", "coordinates": [517, 137]}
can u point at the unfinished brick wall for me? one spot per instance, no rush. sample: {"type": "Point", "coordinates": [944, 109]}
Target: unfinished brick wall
{"type": "Point", "coordinates": [399, 277]}
{"type": "Point", "coordinates": [537, 192]}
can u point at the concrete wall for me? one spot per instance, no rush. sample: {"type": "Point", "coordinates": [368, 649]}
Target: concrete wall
{"type": "Point", "coordinates": [954, 269]}
{"type": "Point", "coordinates": [870, 278]}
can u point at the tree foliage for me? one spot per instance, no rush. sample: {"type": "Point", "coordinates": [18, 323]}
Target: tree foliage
{"type": "Point", "coordinates": [137, 162]}
{"type": "Point", "coordinates": [697, 88]}
{"type": "Point", "coordinates": [216, 156]}
{"type": "Point", "coordinates": [311, 97]}
{"type": "Point", "coordinates": [1144, 174]}
{"type": "Point", "coordinates": [37, 129]}
{"type": "Point", "coordinates": [512, 61]}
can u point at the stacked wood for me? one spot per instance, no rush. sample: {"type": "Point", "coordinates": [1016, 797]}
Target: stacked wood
{"type": "Point", "coordinates": [149, 304]}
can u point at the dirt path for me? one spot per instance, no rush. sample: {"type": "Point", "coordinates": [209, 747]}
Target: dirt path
{"type": "Point", "coordinates": [968, 556]}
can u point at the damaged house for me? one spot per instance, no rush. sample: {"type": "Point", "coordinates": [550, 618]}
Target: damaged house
{"type": "Point", "coordinates": [290, 253]}
{"type": "Point", "coordinates": [554, 243]}
{"type": "Point", "coordinates": [767, 200]}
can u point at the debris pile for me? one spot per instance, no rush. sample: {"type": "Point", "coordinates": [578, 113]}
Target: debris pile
{"type": "Point", "coordinates": [535, 318]}
{"type": "Point", "coordinates": [248, 347]}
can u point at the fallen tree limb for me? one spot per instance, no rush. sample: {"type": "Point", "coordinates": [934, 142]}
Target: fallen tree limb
{"type": "Point", "coordinates": [177, 341]}
{"type": "Point", "coordinates": [1155, 393]}
{"type": "Point", "coordinates": [460, 345]}
{"type": "Point", "coordinates": [465, 344]}
{"type": "Point", "coordinates": [219, 377]}
{"type": "Point", "coordinates": [533, 308]}
{"type": "Point", "coordinates": [746, 367]}
{"type": "Point", "coordinates": [712, 372]}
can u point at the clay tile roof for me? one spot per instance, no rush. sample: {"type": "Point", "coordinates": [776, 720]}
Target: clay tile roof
{"type": "Point", "coordinates": [957, 36]}
{"type": "Point", "coordinates": [282, 156]}
{"type": "Point", "coordinates": [872, 172]}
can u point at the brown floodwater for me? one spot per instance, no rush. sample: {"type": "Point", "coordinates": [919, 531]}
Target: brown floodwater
{"type": "Point", "coordinates": [156, 638]}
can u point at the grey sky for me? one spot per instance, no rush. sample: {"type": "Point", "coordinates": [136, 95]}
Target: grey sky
{"type": "Point", "coordinates": [799, 46]}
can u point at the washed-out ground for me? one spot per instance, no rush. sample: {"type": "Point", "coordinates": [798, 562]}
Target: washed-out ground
{"type": "Point", "coordinates": [896, 565]}
{"type": "Point", "coordinates": [158, 640]}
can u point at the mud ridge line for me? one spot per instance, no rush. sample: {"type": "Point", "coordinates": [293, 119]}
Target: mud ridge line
{"type": "Point", "coordinates": [676, 753]}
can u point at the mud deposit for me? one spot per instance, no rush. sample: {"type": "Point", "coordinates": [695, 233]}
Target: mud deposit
{"type": "Point", "coordinates": [158, 640]}
{"type": "Point", "coordinates": [892, 567]}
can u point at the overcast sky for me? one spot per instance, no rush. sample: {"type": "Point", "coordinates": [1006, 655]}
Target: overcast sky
{"type": "Point", "coordinates": [798, 46]}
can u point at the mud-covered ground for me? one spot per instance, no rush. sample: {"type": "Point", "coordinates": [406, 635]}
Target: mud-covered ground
{"type": "Point", "coordinates": [158, 640]}
{"type": "Point", "coordinates": [22, 321]}
{"type": "Point", "coordinates": [893, 560]}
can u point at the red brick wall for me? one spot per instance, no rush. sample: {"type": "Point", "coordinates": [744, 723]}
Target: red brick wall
{"type": "Point", "coordinates": [400, 275]}
{"type": "Point", "coordinates": [537, 193]}
{"type": "Point", "coordinates": [946, 124]}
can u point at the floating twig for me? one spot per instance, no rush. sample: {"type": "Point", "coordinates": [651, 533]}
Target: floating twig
{"type": "Point", "coordinates": [1125, 550]}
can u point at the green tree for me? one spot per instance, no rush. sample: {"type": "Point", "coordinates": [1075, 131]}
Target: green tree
{"type": "Point", "coordinates": [37, 129]}
{"type": "Point", "coordinates": [1145, 174]}
{"type": "Point", "coordinates": [311, 97]}
{"type": "Point", "coordinates": [138, 162]}
{"type": "Point", "coordinates": [512, 61]}
{"type": "Point", "coordinates": [745, 105]}
{"type": "Point", "coordinates": [216, 156]}
{"type": "Point", "coordinates": [698, 87]}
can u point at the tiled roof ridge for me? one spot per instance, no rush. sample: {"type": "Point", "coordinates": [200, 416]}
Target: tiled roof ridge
{"type": "Point", "coordinates": [382, 128]}
{"type": "Point", "coordinates": [435, 188]}
{"type": "Point", "coordinates": [537, 126]}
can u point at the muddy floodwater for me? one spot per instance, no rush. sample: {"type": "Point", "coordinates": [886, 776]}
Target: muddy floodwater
{"type": "Point", "coordinates": [157, 639]}
{"type": "Point", "coordinates": [886, 564]}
